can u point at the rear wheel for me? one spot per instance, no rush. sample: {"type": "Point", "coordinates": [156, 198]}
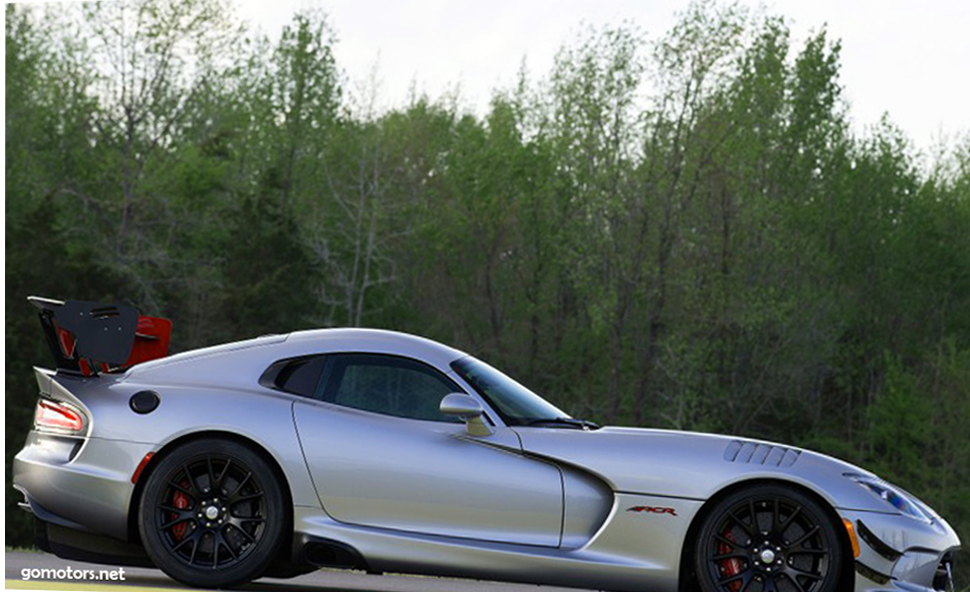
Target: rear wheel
{"type": "Point", "coordinates": [212, 514]}
{"type": "Point", "coordinates": [768, 538]}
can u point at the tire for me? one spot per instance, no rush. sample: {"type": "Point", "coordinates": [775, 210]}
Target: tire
{"type": "Point", "coordinates": [212, 514]}
{"type": "Point", "coordinates": [768, 538]}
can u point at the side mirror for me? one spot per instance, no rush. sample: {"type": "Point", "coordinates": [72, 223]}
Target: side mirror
{"type": "Point", "coordinates": [468, 409]}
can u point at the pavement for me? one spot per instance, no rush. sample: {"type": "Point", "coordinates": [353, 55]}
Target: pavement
{"type": "Point", "coordinates": [83, 577]}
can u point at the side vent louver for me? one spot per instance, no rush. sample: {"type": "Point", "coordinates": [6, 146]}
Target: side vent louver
{"type": "Point", "coordinates": [760, 454]}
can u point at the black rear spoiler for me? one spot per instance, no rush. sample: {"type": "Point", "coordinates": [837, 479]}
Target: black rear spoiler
{"type": "Point", "coordinates": [90, 337]}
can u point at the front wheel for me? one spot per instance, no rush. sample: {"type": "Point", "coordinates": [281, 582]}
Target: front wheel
{"type": "Point", "coordinates": [768, 538]}
{"type": "Point", "coordinates": [212, 514]}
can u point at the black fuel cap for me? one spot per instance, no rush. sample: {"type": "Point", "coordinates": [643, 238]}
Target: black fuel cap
{"type": "Point", "coordinates": [144, 401]}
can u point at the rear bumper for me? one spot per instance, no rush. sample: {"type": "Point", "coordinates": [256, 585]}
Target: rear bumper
{"type": "Point", "coordinates": [899, 553]}
{"type": "Point", "coordinates": [79, 483]}
{"type": "Point", "coordinates": [75, 545]}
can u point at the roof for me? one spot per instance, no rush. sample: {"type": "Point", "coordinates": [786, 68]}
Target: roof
{"type": "Point", "coordinates": [241, 362]}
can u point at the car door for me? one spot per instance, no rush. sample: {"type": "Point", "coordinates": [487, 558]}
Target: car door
{"type": "Point", "coordinates": [382, 455]}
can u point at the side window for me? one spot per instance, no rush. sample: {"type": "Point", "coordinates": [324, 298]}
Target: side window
{"type": "Point", "coordinates": [389, 385]}
{"type": "Point", "coordinates": [299, 376]}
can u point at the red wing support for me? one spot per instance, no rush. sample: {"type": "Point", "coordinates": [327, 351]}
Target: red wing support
{"type": "Point", "coordinates": [91, 337]}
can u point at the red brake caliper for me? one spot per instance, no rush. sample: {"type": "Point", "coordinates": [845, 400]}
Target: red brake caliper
{"type": "Point", "coordinates": [180, 501]}
{"type": "Point", "coordinates": [730, 567]}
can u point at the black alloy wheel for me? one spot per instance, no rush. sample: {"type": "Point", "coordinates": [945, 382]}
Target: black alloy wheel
{"type": "Point", "coordinates": [768, 538]}
{"type": "Point", "coordinates": [212, 514]}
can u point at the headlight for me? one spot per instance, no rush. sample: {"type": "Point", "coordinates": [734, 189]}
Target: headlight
{"type": "Point", "coordinates": [899, 500]}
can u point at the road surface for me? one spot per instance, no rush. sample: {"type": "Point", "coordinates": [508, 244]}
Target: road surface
{"type": "Point", "coordinates": [320, 580]}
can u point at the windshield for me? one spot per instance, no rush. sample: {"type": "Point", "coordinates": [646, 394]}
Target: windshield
{"type": "Point", "coordinates": [516, 404]}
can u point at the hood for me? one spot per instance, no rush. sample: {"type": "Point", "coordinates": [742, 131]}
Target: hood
{"type": "Point", "coordinates": [694, 465]}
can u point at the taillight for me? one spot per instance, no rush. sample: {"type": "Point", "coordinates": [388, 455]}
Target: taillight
{"type": "Point", "coordinates": [58, 416]}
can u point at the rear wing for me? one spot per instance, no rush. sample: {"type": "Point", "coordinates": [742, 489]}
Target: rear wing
{"type": "Point", "coordinates": [93, 337]}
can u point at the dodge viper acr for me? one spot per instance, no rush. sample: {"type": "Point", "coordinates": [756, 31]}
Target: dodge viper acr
{"type": "Point", "coordinates": [383, 451]}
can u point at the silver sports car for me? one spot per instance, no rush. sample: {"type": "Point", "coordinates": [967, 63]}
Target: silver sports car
{"type": "Point", "coordinates": [383, 451]}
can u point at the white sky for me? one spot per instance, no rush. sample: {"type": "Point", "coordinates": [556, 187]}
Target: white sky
{"type": "Point", "coordinates": [908, 58]}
